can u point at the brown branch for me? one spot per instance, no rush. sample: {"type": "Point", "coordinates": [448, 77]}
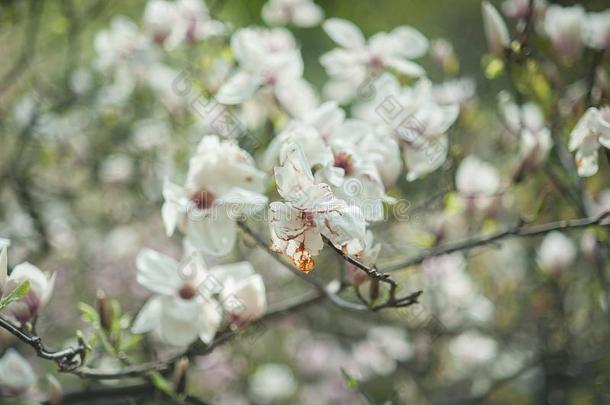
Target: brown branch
{"type": "Point", "coordinates": [67, 359]}
{"type": "Point", "coordinates": [516, 231]}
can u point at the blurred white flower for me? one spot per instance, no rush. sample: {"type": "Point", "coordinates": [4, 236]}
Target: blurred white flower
{"type": "Point", "coordinates": [268, 59]}
{"type": "Point", "coordinates": [222, 185]}
{"type": "Point", "coordinates": [565, 26]}
{"type": "Point", "coordinates": [520, 9]}
{"type": "Point", "coordinates": [41, 288]}
{"type": "Point", "coordinates": [456, 91]}
{"type": "Point", "coordinates": [496, 32]}
{"type": "Point", "coordinates": [477, 181]}
{"type": "Point", "coordinates": [379, 353]}
{"type": "Point", "coordinates": [184, 306]}
{"type": "Point", "coordinates": [591, 131]}
{"type": "Point", "coordinates": [556, 252]}
{"type": "Point", "coordinates": [116, 169]}
{"type": "Point", "coordinates": [310, 211]}
{"type": "Point", "coordinates": [597, 30]}
{"type": "Point", "coordinates": [368, 257]}
{"type": "Point", "coordinates": [271, 383]}
{"type": "Point", "coordinates": [302, 13]}
{"type": "Point", "coordinates": [349, 65]}
{"type": "Point", "coordinates": [473, 349]}
{"type": "Point", "coordinates": [16, 374]}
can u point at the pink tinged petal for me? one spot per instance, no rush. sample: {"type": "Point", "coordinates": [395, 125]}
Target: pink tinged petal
{"type": "Point", "coordinates": [158, 272]}
{"type": "Point", "coordinates": [16, 374]}
{"type": "Point", "coordinates": [240, 87]}
{"type": "Point", "coordinates": [344, 33]}
{"type": "Point", "coordinates": [148, 317]}
{"type": "Point", "coordinates": [405, 67]}
{"type": "Point", "coordinates": [214, 234]}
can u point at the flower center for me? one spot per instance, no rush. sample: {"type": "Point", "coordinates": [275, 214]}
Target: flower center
{"type": "Point", "coordinates": [344, 161]}
{"type": "Point", "coordinates": [376, 62]}
{"type": "Point", "coordinates": [203, 199]}
{"type": "Point", "coordinates": [187, 292]}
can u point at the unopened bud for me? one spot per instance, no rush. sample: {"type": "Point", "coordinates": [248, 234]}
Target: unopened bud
{"type": "Point", "coordinates": [104, 311]}
{"type": "Point", "coordinates": [496, 31]}
{"type": "Point", "coordinates": [374, 289]}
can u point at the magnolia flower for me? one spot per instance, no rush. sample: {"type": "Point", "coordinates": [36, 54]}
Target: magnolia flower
{"type": "Point", "coordinates": [520, 9]}
{"type": "Point", "coordinates": [496, 32]}
{"type": "Point", "coordinates": [349, 65]}
{"type": "Point", "coordinates": [172, 23]}
{"type": "Point", "coordinates": [269, 60]}
{"type": "Point", "coordinates": [123, 48]}
{"type": "Point", "coordinates": [565, 27]}
{"type": "Point", "coordinates": [473, 348]}
{"type": "Point", "coordinates": [41, 288]}
{"type": "Point", "coordinates": [591, 131]}
{"type": "Point", "coordinates": [368, 257]}
{"type": "Point", "coordinates": [222, 185]}
{"type": "Point", "coordinates": [413, 118]}
{"type": "Point", "coordinates": [457, 91]}
{"type": "Point", "coordinates": [16, 374]}
{"type": "Point", "coordinates": [302, 13]}
{"type": "Point", "coordinates": [344, 154]}
{"type": "Point", "coordinates": [311, 211]}
{"type": "Point", "coordinates": [477, 181]}
{"type": "Point", "coordinates": [527, 122]}
{"type": "Point", "coordinates": [184, 306]}
{"type": "Point", "coordinates": [556, 252]}
{"type": "Point", "coordinates": [272, 383]}
{"type": "Point", "coordinates": [597, 29]}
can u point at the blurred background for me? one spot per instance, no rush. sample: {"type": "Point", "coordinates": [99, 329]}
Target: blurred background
{"type": "Point", "coordinates": [81, 172]}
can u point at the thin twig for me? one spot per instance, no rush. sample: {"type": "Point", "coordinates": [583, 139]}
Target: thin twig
{"type": "Point", "coordinates": [516, 231]}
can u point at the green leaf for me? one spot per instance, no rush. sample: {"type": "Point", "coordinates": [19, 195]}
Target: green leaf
{"type": "Point", "coordinates": [162, 384]}
{"type": "Point", "coordinates": [351, 381]}
{"type": "Point", "coordinates": [18, 293]}
{"type": "Point", "coordinates": [89, 314]}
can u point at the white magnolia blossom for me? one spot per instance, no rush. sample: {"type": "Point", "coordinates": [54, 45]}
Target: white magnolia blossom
{"type": "Point", "coordinates": [597, 31]}
{"type": "Point", "coordinates": [591, 132]}
{"type": "Point", "coordinates": [527, 121]}
{"type": "Point", "coordinates": [496, 32]}
{"type": "Point", "coordinates": [412, 117]}
{"type": "Point", "coordinates": [556, 252]}
{"type": "Point", "coordinates": [222, 185]}
{"type": "Point", "coordinates": [41, 288]}
{"type": "Point", "coordinates": [565, 26]}
{"type": "Point", "coordinates": [172, 23]}
{"type": "Point", "coordinates": [477, 181]}
{"type": "Point", "coordinates": [268, 61]}
{"type": "Point", "coordinates": [16, 374]}
{"type": "Point", "coordinates": [520, 9]}
{"type": "Point", "coordinates": [272, 382]}
{"type": "Point", "coordinates": [302, 13]}
{"type": "Point", "coordinates": [310, 211]}
{"type": "Point", "coordinates": [349, 65]}
{"type": "Point", "coordinates": [191, 300]}
{"type": "Point", "coordinates": [123, 49]}
{"type": "Point", "coordinates": [473, 349]}
{"type": "Point", "coordinates": [382, 349]}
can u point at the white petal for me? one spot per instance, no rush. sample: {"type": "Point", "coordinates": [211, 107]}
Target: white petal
{"type": "Point", "coordinates": [405, 67]}
{"type": "Point", "coordinates": [178, 324]}
{"type": "Point", "coordinates": [239, 202]}
{"type": "Point", "coordinates": [3, 268]}
{"type": "Point", "coordinates": [148, 317]}
{"type": "Point", "coordinates": [237, 89]}
{"type": "Point", "coordinates": [425, 157]}
{"type": "Point", "coordinates": [586, 162]}
{"type": "Point", "coordinates": [307, 14]}
{"type": "Point", "coordinates": [296, 106]}
{"type": "Point", "coordinates": [245, 298]}
{"type": "Point", "coordinates": [214, 234]}
{"type": "Point", "coordinates": [414, 43]}
{"type": "Point", "coordinates": [158, 272]}
{"type": "Point", "coordinates": [344, 33]}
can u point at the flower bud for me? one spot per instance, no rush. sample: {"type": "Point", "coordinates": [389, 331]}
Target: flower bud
{"type": "Point", "coordinates": [496, 31]}
{"type": "Point", "coordinates": [104, 310]}
{"type": "Point", "coordinates": [41, 288]}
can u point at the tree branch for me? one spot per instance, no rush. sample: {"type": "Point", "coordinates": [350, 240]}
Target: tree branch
{"type": "Point", "coordinates": [516, 231]}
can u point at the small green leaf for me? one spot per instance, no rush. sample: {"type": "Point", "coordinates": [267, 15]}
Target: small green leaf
{"type": "Point", "coordinates": [18, 293]}
{"type": "Point", "coordinates": [162, 384]}
{"type": "Point", "coordinates": [351, 381]}
{"type": "Point", "coordinates": [89, 314]}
